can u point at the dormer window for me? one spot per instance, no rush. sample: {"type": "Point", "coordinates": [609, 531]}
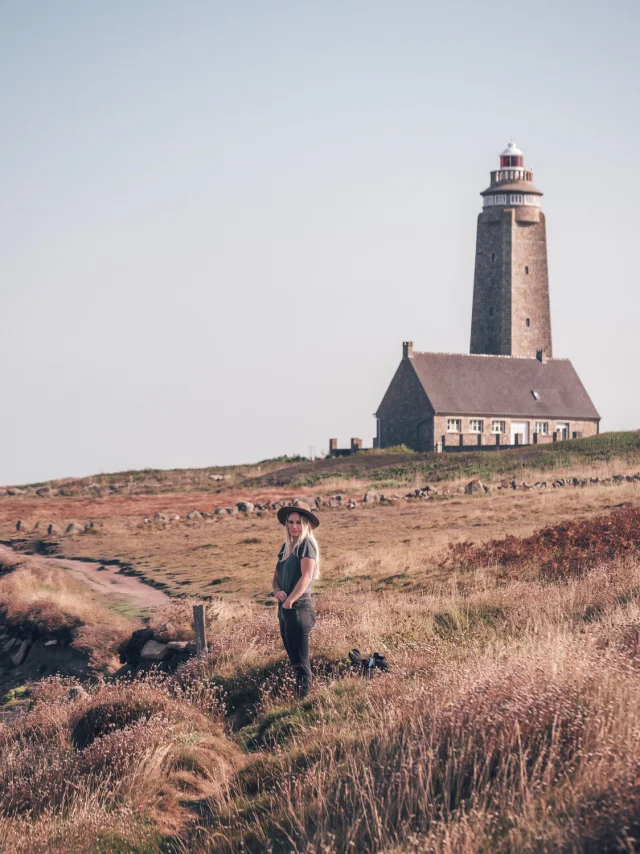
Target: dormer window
{"type": "Point", "coordinates": [536, 395]}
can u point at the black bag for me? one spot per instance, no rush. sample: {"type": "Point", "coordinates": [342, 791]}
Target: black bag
{"type": "Point", "coordinates": [366, 665]}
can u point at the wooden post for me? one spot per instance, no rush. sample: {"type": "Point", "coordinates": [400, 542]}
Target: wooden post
{"type": "Point", "coordinates": [198, 625]}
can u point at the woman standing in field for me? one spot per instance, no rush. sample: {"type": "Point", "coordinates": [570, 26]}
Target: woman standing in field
{"type": "Point", "coordinates": [298, 565]}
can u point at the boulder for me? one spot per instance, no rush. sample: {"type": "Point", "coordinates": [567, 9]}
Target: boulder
{"type": "Point", "coordinates": [10, 644]}
{"type": "Point", "coordinates": [245, 506]}
{"type": "Point", "coordinates": [371, 497]}
{"type": "Point", "coordinates": [154, 651]}
{"type": "Point", "coordinates": [160, 517]}
{"type": "Point", "coordinates": [74, 528]}
{"type": "Point", "coordinates": [21, 654]}
{"type": "Point", "coordinates": [53, 530]}
{"type": "Point", "coordinates": [76, 692]}
{"type": "Point", "coordinates": [220, 511]}
{"type": "Point", "coordinates": [333, 503]}
{"type": "Point", "coordinates": [3, 491]}
{"type": "Point", "coordinates": [194, 516]}
{"type": "Point", "coordinates": [177, 646]}
{"type": "Point", "coordinates": [231, 511]}
{"type": "Point", "coordinates": [30, 491]}
{"type": "Point", "coordinates": [173, 517]}
{"type": "Point", "coordinates": [475, 487]}
{"type": "Point", "coordinates": [14, 491]}
{"type": "Point", "coordinates": [20, 526]}
{"type": "Point", "coordinates": [352, 504]}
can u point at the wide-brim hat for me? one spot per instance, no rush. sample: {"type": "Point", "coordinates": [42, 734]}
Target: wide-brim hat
{"type": "Point", "coordinates": [300, 507]}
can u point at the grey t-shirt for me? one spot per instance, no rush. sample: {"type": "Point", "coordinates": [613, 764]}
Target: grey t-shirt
{"type": "Point", "coordinates": [289, 572]}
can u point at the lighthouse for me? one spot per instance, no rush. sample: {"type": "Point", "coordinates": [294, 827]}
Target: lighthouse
{"type": "Point", "coordinates": [511, 314]}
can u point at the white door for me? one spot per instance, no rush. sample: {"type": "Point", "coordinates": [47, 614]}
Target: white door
{"type": "Point", "coordinates": [563, 432]}
{"type": "Point", "coordinates": [521, 427]}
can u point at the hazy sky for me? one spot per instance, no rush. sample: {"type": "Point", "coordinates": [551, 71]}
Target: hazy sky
{"type": "Point", "coordinates": [220, 220]}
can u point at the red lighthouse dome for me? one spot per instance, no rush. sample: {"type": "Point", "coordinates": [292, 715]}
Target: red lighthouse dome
{"type": "Point", "coordinates": [511, 156]}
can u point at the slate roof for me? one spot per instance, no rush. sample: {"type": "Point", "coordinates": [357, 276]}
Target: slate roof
{"type": "Point", "coordinates": [458, 384]}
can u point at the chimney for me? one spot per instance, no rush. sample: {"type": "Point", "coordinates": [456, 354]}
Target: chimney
{"type": "Point", "coordinates": [540, 356]}
{"type": "Point", "coordinates": [356, 445]}
{"type": "Point", "coordinates": [333, 447]}
{"type": "Point", "coordinates": [407, 349]}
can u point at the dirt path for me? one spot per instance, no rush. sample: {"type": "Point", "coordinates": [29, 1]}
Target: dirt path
{"type": "Point", "coordinates": [107, 580]}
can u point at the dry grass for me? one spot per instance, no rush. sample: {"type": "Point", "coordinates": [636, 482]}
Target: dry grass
{"type": "Point", "coordinates": [508, 722]}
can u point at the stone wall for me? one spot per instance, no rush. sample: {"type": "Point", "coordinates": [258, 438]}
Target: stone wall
{"type": "Point", "coordinates": [405, 416]}
{"type": "Point", "coordinates": [583, 429]}
{"type": "Point", "coordinates": [511, 284]}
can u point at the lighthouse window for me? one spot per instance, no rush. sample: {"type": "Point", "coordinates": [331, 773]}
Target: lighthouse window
{"type": "Point", "coordinates": [516, 199]}
{"type": "Point", "coordinates": [526, 269]}
{"type": "Point", "coordinates": [493, 257]}
{"type": "Point", "coordinates": [528, 321]}
{"type": "Point", "coordinates": [491, 312]}
{"type": "Point", "coordinates": [500, 200]}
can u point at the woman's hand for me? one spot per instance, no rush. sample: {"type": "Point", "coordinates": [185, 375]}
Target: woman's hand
{"type": "Point", "coordinates": [288, 604]}
{"type": "Point", "coordinates": [280, 595]}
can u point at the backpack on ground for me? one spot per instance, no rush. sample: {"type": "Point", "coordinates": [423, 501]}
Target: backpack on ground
{"type": "Point", "coordinates": [367, 664]}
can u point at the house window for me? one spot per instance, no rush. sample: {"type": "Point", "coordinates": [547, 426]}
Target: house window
{"type": "Point", "coordinates": [493, 257]}
{"type": "Point", "coordinates": [454, 425]}
{"type": "Point", "coordinates": [542, 428]}
{"type": "Point", "coordinates": [528, 321]}
{"type": "Point", "coordinates": [498, 427]}
{"type": "Point", "coordinates": [477, 425]}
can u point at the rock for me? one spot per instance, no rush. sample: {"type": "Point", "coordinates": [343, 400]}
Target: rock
{"type": "Point", "coordinates": [173, 517]}
{"type": "Point", "coordinates": [20, 526]}
{"type": "Point", "coordinates": [14, 491]}
{"type": "Point", "coordinates": [159, 517]}
{"type": "Point", "coordinates": [165, 632]}
{"type": "Point", "coordinates": [30, 491]}
{"type": "Point", "coordinates": [216, 477]}
{"type": "Point", "coordinates": [352, 504]}
{"type": "Point", "coordinates": [3, 491]}
{"type": "Point", "coordinates": [21, 654]}
{"type": "Point", "coordinates": [371, 497]}
{"type": "Point", "coordinates": [194, 516]}
{"type": "Point", "coordinates": [336, 498]}
{"type": "Point", "coordinates": [335, 504]}
{"type": "Point", "coordinates": [474, 487]}
{"type": "Point", "coordinates": [220, 511]}
{"type": "Point", "coordinates": [146, 520]}
{"type": "Point", "coordinates": [53, 530]}
{"type": "Point", "coordinates": [76, 692]}
{"type": "Point", "coordinates": [154, 651]}
{"type": "Point", "coordinates": [245, 506]}
{"type": "Point", "coordinates": [74, 528]}
{"type": "Point", "coordinates": [51, 643]}
{"type": "Point", "coordinates": [177, 646]}
{"type": "Point", "coordinates": [231, 511]}
{"type": "Point", "coordinates": [10, 644]}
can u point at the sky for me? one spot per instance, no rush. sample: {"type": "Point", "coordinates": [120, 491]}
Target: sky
{"type": "Point", "coordinates": [220, 220]}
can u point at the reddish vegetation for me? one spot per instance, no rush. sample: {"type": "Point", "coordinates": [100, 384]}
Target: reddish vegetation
{"type": "Point", "coordinates": [560, 551]}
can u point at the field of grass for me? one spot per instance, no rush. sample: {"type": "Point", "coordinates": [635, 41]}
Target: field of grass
{"type": "Point", "coordinates": [508, 721]}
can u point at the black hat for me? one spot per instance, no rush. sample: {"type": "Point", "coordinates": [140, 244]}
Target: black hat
{"type": "Point", "coordinates": [300, 507]}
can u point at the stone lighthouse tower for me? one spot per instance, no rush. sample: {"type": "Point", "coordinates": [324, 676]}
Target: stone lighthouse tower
{"type": "Point", "coordinates": [511, 314]}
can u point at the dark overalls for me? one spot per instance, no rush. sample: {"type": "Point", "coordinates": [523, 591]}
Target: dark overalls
{"type": "Point", "coordinates": [297, 622]}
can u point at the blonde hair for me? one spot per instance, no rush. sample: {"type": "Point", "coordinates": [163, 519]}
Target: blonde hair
{"type": "Point", "coordinates": [306, 534]}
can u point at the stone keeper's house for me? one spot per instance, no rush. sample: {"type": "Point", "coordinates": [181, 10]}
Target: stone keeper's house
{"type": "Point", "coordinates": [508, 390]}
